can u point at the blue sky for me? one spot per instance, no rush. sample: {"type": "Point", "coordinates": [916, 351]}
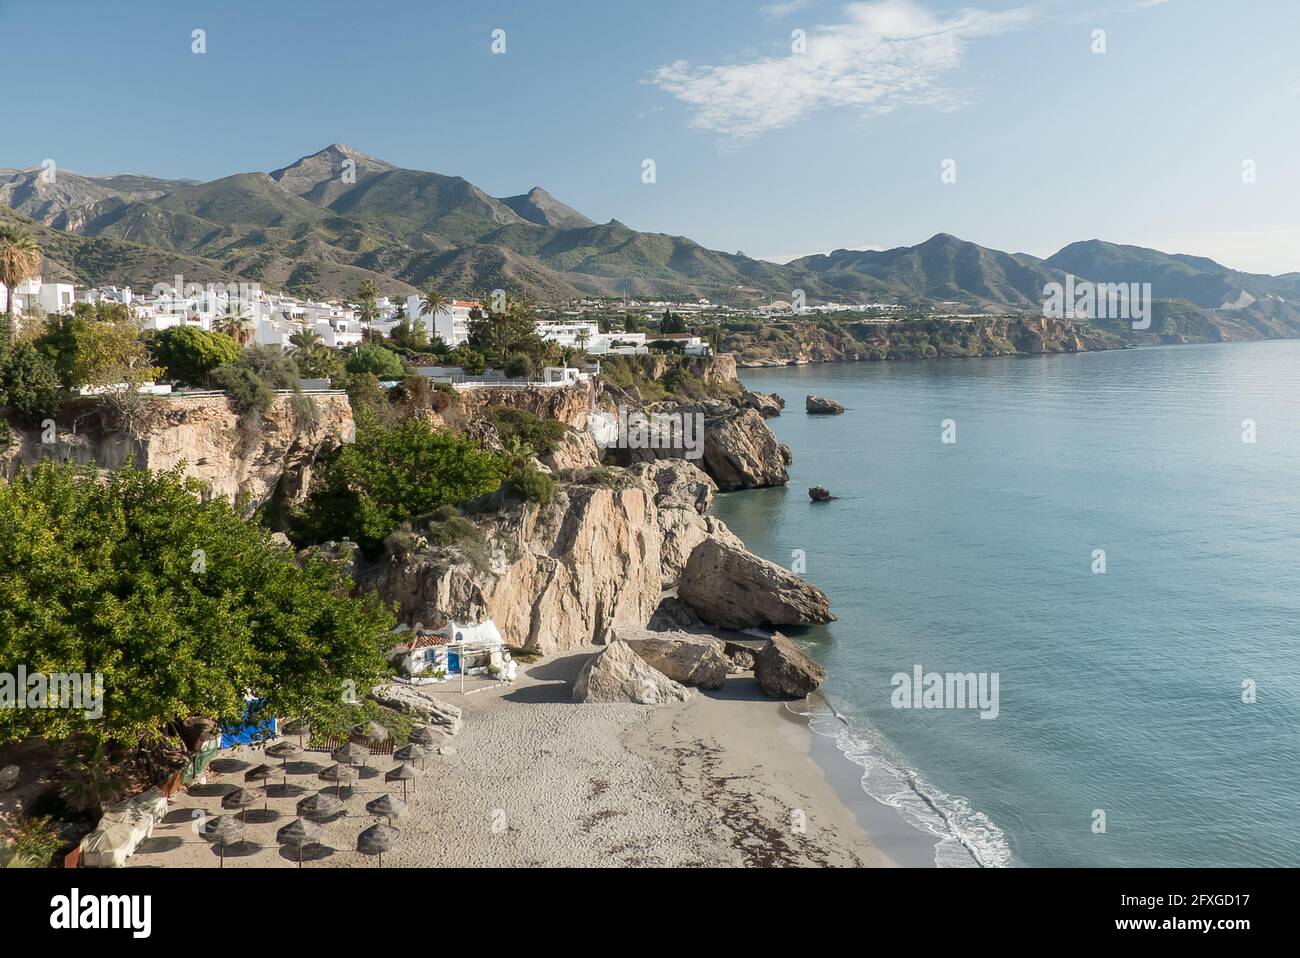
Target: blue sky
{"type": "Point", "coordinates": [757, 148]}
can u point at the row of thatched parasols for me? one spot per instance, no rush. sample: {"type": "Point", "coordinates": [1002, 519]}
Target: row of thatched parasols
{"type": "Point", "coordinates": [317, 809]}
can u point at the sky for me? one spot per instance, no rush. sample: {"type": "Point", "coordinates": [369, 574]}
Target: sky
{"type": "Point", "coordinates": [1174, 128]}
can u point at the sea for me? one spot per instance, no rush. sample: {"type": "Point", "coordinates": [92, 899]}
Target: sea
{"type": "Point", "coordinates": [1114, 537]}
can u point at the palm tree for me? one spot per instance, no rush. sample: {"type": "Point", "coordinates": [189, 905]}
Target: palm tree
{"type": "Point", "coordinates": [305, 341]}
{"type": "Point", "coordinates": [432, 304]}
{"type": "Point", "coordinates": [582, 337]}
{"type": "Point", "coordinates": [368, 311]}
{"type": "Point", "coordinates": [20, 260]}
{"type": "Point", "coordinates": [234, 322]}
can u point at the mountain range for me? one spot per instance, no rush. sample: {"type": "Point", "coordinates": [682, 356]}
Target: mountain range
{"type": "Point", "coordinates": [332, 219]}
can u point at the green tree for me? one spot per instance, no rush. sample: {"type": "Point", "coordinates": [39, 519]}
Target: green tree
{"type": "Point", "coordinates": [178, 603]}
{"type": "Point", "coordinates": [366, 297]}
{"type": "Point", "coordinates": [389, 476]}
{"type": "Point", "coordinates": [189, 355]}
{"type": "Point", "coordinates": [519, 366]}
{"type": "Point", "coordinates": [379, 360]}
{"type": "Point", "coordinates": [30, 384]}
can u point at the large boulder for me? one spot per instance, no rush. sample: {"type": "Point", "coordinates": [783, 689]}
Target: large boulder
{"type": "Point", "coordinates": [785, 671]}
{"type": "Point", "coordinates": [767, 405]}
{"type": "Point", "coordinates": [820, 406]}
{"type": "Point", "coordinates": [426, 708]}
{"type": "Point", "coordinates": [735, 589]}
{"type": "Point", "coordinates": [740, 451]}
{"type": "Point", "coordinates": [698, 660]}
{"type": "Point", "coordinates": [620, 675]}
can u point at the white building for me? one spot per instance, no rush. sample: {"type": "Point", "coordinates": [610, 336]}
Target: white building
{"type": "Point", "coordinates": [451, 324]}
{"type": "Point", "coordinates": [34, 296]}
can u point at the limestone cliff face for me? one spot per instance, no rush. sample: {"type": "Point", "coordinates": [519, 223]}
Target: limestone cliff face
{"type": "Point", "coordinates": [568, 572]}
{"type": "Point", "coordinates": [567, 404]}
{"type": "Point", "coordinates": [203, 434]}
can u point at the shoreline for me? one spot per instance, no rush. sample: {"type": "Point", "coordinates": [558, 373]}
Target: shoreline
{"type": "Point", "coordinates": [728, 779]}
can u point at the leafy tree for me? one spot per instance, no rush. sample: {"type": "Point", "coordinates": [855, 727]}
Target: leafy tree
{"type": "Point", "coordinates": [379, 360]}
{"type": "Point", "coordinates": [541, 435]}
{"type": "Point", "coordinates": [519, 366]}
{"type": "Point", "coordinates": [672, 323]}
{"type": "Point", "coordinates": [532, 485]}
{"type": "Point", "coordinates": [178, 603]}
{"type": "Point", "coordinates": [189, 355]}
{"type": "Point", "coordinates": [30, 384]}
{"type": "Point", "coordinates": [390, 475]}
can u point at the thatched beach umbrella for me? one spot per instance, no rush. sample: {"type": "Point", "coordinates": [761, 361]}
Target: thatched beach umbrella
{"type": "Point", "coordinates": [262, 772]}
{"type": "Point", "coordinates": [338, 774]}
{"type": "Point", "coordinates": [376, 840]}
{"type": "Point", "coordinates": [298, 727]}
{"type": "Point", "coordinates": [241, 798]}
{"type": "Point", "coordinates": [427, 736]}
{"type": "Point", "coordinates": [403, 773]}
{"type": "Point", "coordinates": [387, 807]}
{"type": "Point", "coordinates": [299, 833]}
{"type": "Point", "coordinates": [320, 808]}
{"type": "Point", "coordinates": [222, 830]}
{"type": "Point", "coordinates": [350, 754]}
{"type": "Point", "coordinates": [413, 753]}
{"type": "Point", "coordinates": [284, 751]}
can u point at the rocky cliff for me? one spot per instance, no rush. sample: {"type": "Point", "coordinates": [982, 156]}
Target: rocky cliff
{"type": "Point", "coordinates": [799, 343]}
{"type": "Point", "coordinates": [252, 463]}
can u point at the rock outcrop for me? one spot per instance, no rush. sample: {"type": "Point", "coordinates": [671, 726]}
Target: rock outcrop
{"type": "Point", "coordinates": [697, 660]}
{"type": "Point", "coordinates": [820, 494]}
{"type": "Point", "coordinates": [571, 571]}
{"type": "Point", "coordinates": [735, 589]}
{"type": "Point", "coordinates": [767, 405]}
{"type": "Point", "coordinates": [273, 458]}
{"type": "Point", "coordinates": [567, 404]}
{"type": "Point", "coordinates": [785, 671]}
{"type": "Point", "coordinates": [426, 708]}
{"type": "Point", "coordinates": [574, 450]}
{"type": "Point", "coordinates": [821, 406]}
{"type": "Point", "coordinates": [618, 674]}
{"type": "Point", "coordinates": [682, 496]}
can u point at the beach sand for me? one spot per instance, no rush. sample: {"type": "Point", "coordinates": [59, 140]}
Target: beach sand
{"type": "Point", "coordinates": [727, 779]}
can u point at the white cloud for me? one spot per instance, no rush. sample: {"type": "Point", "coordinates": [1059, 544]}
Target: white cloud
{"type": "Point", "coordinates": [778, 10]}
{"type": "Point", "coordinates": [884, 55]}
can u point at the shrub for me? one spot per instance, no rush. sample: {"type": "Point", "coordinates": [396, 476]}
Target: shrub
{"type": "Point", "coordinates": [251, 380]}
{"type": "Point", "coordinates": [532, 485]}
{"type": "Point", "coordinates": [522, 427]}
{"type": "Point", "coordinates": [383, 362]}
{"type": "Point", "coordinates": [519, 366]}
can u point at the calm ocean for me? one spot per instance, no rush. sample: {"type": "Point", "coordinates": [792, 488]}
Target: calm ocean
{"type": "Point", "coordinates": [1120, 694]}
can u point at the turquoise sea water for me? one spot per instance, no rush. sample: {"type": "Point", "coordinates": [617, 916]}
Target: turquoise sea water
{"type": "Point", "coordinates": [1120, 692]}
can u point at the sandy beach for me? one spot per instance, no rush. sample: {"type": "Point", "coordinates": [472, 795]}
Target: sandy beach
{"type": "Point", "coordinates": [726, 780]}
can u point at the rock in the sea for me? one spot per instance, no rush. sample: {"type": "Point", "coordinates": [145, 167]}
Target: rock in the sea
{"type": "Point", "coordinates": [620, 675]}
{"type": "Point", "coordinates": [696, 660]}
{"type": "Point", "coordinates": [785, 671]}
{"type": "Point", "coordinates": [820, 406]}
{"type": "Point", "coordinates": [820, 494]}
{"type": "Point", "coordinates": [736, 589]}
{"type": "Point", "coordinates": [408, 701]}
